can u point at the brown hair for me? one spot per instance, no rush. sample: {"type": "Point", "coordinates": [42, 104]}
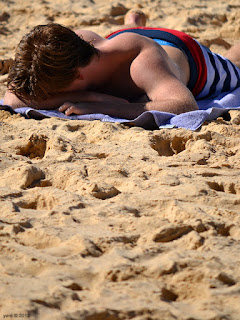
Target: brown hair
{"type": "Point", "coordinates": [46, 61]}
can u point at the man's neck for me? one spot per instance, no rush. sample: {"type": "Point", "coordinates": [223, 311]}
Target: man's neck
{"type": "Point", "coordinates": [100, 70]}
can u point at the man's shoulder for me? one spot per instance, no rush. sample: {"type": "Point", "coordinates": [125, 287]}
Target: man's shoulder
{"type": "Point", "coordinates": [128, 36]}
{"type": "Point", "coordinates": [128, 41]}
{"type": "Point", "coordinates": [125, 38]}
{"type": "Point", "coordinates": [88, 35]}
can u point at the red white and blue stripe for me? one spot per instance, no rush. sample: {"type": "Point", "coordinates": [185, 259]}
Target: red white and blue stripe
{"type": "Point", "coordinates": [222, 75]}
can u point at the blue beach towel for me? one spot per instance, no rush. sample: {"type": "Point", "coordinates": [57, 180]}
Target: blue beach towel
{"type": "Point", "coordinates": [209, 109]}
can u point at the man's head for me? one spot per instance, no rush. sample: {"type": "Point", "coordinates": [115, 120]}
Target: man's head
{"type": "Point", "coordinates": [47, 61]}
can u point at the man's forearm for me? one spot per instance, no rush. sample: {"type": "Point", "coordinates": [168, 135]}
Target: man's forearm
{"type": "Point", "coordinates": [114, 109]}
{"type": "Point", "coordinates": [101, 103]}
{"type": "Point", "coordinates": [133, 110]}
{"type": "Point", "coordinates": [126, 110]}
{"type": "Point", "coordinates": [55, 102]}
{"type": "Point", "coordinates": [12, 100]}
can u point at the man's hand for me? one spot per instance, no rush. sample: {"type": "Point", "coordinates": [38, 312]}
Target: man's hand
{"type": "Point", "coordinates": [77, 108]}
{"type": "Point", "coordinates": [101, 103]}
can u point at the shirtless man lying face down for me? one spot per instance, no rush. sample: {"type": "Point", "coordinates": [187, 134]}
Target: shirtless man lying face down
{"type": "Point", "coordinates": [131, 71]}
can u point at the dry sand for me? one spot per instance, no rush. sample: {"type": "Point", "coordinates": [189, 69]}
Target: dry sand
{"type": "Point", "coordinates": [99, 221]}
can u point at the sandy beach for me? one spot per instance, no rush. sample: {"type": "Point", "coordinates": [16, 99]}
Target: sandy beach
{"type": "Point", "coordinates": [101, 221]}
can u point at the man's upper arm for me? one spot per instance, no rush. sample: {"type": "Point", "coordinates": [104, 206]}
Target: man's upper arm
{"type": "Point", "coordinates": [153, 74]}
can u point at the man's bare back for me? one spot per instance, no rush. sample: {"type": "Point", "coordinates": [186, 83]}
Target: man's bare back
{"type": "Point", "coordinates": [128, 51]}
